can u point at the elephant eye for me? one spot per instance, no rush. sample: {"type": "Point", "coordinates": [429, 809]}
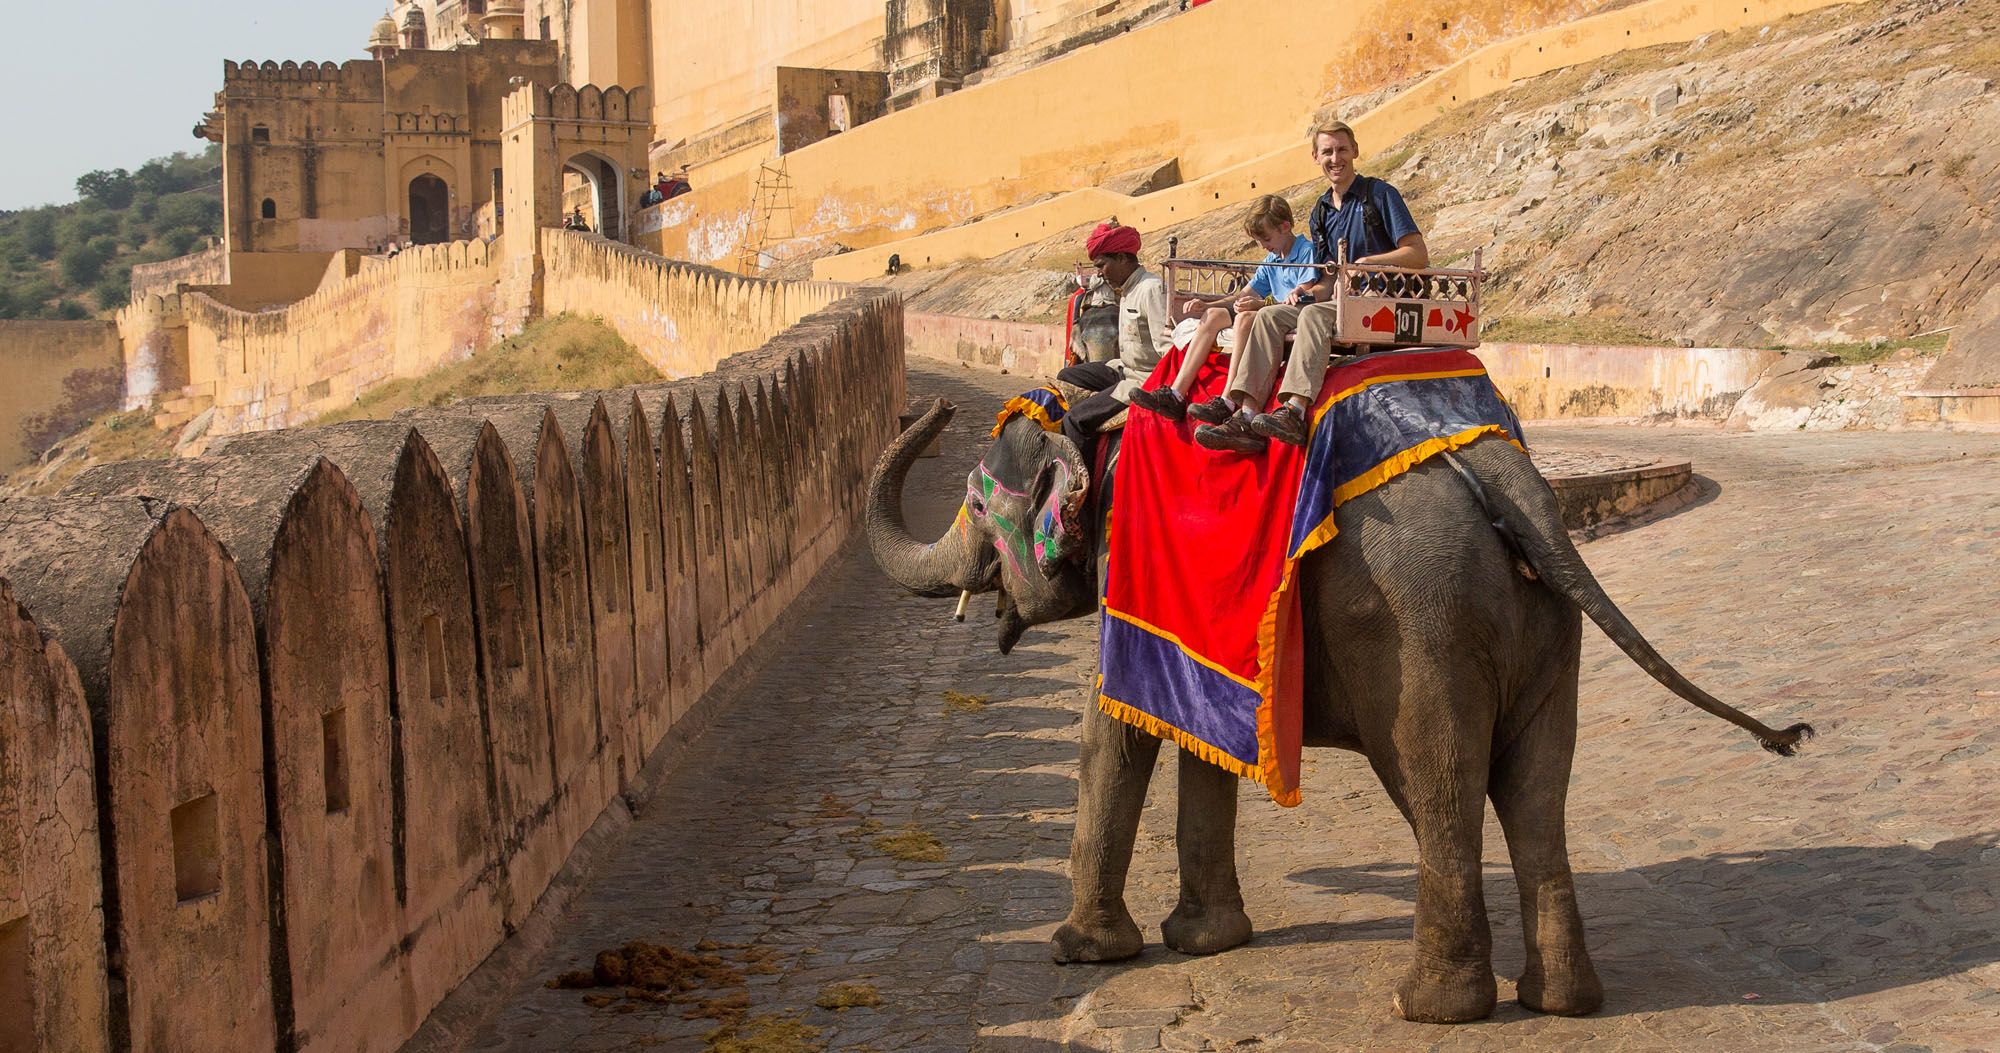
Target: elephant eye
{"type": "Point", "coordinates": [978, 507]}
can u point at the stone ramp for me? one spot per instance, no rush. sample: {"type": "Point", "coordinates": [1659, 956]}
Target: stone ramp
{"type": "Point", "coordinates": [1840, 900]}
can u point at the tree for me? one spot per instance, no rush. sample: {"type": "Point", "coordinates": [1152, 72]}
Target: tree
{"type": "Point", "coordinates": [114, 289]}
{"type": "Point", "coordinates": [83, 262]}
{"type": "Point", "coordinates": [198, 211]}
{"type": "Point", "coordinates": [112, 188]}
{"type": "Point", "coordinates": [38, 232]}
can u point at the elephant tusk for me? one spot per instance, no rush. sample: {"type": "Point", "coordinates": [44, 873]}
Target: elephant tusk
{"type": "Point", "coordinates": [963, 599]}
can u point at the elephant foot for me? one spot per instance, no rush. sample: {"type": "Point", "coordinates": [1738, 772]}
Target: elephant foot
{"type": "Point", "coordinates": [1097, 939]}
{"type": "Point", "coordinates": [1444, 993]}
{"type": "Point", "coordinates": [1193, 930]}
{"type": "Point", "coordinates": [1561, 986]}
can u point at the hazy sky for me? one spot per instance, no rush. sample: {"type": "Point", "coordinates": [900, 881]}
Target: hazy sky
{"type": "Point", "coordinates": [95, 84]}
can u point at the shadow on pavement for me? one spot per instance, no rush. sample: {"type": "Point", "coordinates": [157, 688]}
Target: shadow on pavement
{"type": "Point", "coordinates": [1789, 925]}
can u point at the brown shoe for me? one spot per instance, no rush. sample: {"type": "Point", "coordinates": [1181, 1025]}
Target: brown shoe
{"type": "Point", "coordinates": [1285, 424]}
{"type": "Point", "coordinates": [1232, 435]}
{"type": "Point", "coordinates": [1213, 411]}
{"type": "Point", "coordinates": [1166, 402]}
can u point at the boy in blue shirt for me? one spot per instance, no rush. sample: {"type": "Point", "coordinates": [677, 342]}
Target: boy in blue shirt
{"type": "Point", "coordinates": [1269, 224]}
{"type": "Point", "coordinates": [1370, 216]}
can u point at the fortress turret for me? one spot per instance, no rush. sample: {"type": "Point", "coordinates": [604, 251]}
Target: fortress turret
{"type": "Point", "coordinates": [505, 20]}
{"type": "Point", "coordinates": [414, 36]}
{"type": "Point", "coordinates": [382, 39]}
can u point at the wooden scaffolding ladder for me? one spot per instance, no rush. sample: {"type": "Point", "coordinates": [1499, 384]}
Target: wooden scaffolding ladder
{"type": "Point", "coordinates": [770, 217]}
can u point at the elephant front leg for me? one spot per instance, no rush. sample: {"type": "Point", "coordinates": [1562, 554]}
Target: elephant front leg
{"type": "Point", "coordinates": [1116, 766]}
{"type": "Point", "coordinates": [1209, 917]}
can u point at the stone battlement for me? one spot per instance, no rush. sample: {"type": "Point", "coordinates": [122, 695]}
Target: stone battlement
{"type": "Point", "coordinates": [565, 103]}
{"type": "Point", "coordinates": [438, 647]}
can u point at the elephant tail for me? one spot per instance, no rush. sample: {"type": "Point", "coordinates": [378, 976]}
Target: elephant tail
{"type": "Point", "coordinates": [1522, 508]}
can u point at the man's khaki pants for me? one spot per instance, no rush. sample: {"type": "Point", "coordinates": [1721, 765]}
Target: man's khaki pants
{"type": "Point", "coordinates": [1252, 365]}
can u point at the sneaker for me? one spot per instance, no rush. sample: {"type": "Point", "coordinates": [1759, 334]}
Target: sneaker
{"type": "Point", "coordinates": [1166, 402]}
{"type": "Point", "coordinates": [1285, 424]}
{"type": "Point", "coordinates": [1232, 435]}
{"type": "Point", "coordinates": [1214, 411]}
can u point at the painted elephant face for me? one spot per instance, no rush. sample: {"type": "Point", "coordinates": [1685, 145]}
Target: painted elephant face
{"type": "Point", "coordinates": [1019, 531]}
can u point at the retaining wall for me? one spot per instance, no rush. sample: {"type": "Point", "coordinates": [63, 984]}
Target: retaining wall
{"type": "Point", "coordinates": [57, 376]}
{"type": "Point", "coordinates": [342, 797]}
{"type": "Point", "coordinates": [1358, 49]}
{"type": "Point", "coordinates": [1540, 380]}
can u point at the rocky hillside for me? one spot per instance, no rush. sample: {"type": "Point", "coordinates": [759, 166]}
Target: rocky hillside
{"type": "Point", "coordinates": [1831, 178]}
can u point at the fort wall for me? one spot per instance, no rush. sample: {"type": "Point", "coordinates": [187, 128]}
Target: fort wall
{"type": "Point", "coordinates": [59, 375]}
{"type": "Point", "coordinates": [683, 318]}
{"type": "Point", "coordinates": [403, 317]}
{"type": "Point", "coordinates": [209, 266]}
{"type": "Point", "coordinates": [1226, 160]}
{"type": "Point", "coordinates": [467, 557]}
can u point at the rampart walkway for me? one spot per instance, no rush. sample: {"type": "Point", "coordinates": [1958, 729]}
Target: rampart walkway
{"type": "Point", "coordinates": [1842, 900]}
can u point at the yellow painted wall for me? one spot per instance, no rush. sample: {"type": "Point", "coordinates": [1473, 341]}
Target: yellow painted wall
{"type": "Point", "coordinates": [57, 375]}
{"type": "Point", "coordinates": [712, 61]}
{"type": "Point", "coordinates": [1139, 98]}
{"type": "Point", "coordinates": [683, 319]}
{"type": "Point", "coordinates": [402, 317]}
{"type": "Point", "coordinates": [1273, 159]}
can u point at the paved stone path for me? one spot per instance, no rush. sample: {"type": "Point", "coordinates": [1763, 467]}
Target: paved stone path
{"type": "Point", "coordinates": [1845, 899]}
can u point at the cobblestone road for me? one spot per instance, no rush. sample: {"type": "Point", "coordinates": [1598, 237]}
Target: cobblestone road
{"type": "Point", "coordinates": [1845, 899]}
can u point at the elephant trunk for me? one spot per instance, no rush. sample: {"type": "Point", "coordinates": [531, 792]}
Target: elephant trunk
{"type": "Point", "coordinates": [1529, 508]}
{"type": "Point", "coordinates": [941, 568]}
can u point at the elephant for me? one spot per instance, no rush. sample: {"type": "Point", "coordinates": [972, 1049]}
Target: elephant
{"type": "Point", "coordinates": [1437, 645]}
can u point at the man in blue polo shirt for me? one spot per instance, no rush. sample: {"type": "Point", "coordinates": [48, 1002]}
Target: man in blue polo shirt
{"type": "Point", "coordinates": [1370, 216]}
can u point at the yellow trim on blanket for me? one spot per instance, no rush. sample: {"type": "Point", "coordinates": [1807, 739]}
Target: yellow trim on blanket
{"type": "Point", "coordinates": [1030, 409]}
{"type": "Point", "coordinates": [1179, 643]}
{"type": "Point", "coordinates": [1390, 469]}
{"type": "Point", "coordinates": [1392, 378]}
{"type": "Point", "coordinates": [1158, 728]}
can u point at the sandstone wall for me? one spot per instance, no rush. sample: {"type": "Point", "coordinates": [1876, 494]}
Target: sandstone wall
{"type": "Point", "coordinates": [210, 266]}
{"type": "Point", "coordinates": [57, 376]}
{"type": "Point", "coordinates": [379, 607]}
{"type": "Point", "coordinates": [683, 318]}
{"type": "Point", "coordinates": [1230, 153]}
{"type": "Point", "coordinates": [427, 307]}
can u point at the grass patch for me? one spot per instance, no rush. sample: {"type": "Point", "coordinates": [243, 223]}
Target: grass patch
{"type": "Point", "coordinates": [848, 996]}
{"type": "Point", "coordinates": [1860, 353]}
{"type": "Point", "coordinates": [959, 702]}
{"type": "Point", "coordinates": [1567, 329]}
{"type": "Point", "coordinates": [561, 353]}
{"type": "Point", "coordinates": [911, 844]}
{"type": "Point", "coordinates": [766, 1034]}
{"type": "Point", "coordinates": [109, 437]}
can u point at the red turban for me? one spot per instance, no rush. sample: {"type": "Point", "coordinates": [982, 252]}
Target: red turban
{"type": "Point", "coordinates": [1107, 240]}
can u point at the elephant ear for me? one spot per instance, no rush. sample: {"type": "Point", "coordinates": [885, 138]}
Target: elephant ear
{"type": "Point", "coordinates": [1058, 497]}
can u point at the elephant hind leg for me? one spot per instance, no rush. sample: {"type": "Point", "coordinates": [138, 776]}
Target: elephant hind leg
{"type": "Point", "coordinates": [1530, 788]}
{"type": "Point", "coordinates": [1435, 771]}
{"type": "Point", "coordinates": [1209, 917]}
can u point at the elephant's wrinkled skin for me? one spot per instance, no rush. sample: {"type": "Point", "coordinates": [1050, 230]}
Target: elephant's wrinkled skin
{"type": "Point", "coordinates": [1431, 650]}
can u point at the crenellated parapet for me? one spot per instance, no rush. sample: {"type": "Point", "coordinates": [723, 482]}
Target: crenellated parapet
{"type": "Point", "coordinates": [683, 317]}
{"type": "Point", "coordinates": [305, 79]}
{"type": "Point", "coordinates": [532, 593]}
{"type": "Point", "coordinates": [565, 103]}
